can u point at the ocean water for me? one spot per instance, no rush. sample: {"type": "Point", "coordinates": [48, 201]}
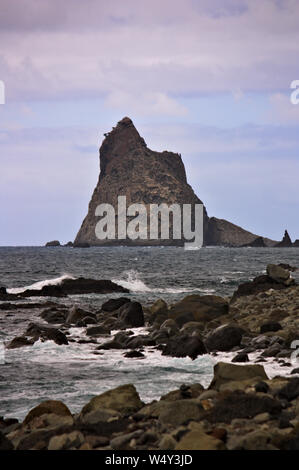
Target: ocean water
{"type": "Point", "coordinates": [76, 372]}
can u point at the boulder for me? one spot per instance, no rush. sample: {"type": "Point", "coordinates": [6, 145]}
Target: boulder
{"type": "Point", "coordinates": [134, 354]}
{"type": "Point", "coordinates": [291, 390]}
{"type": "Point", "coordinates": [20, 342]}
{"type": "Point", "coordinates": [5, 443]}
{"type": "Point", "coordinates": [159, 308]}
{"type": "Point", "coordinates": [277, 273]}
{"type": "Point", "coordinates": [197, 439]}
{"type": "Point", "coordinates": [239, 404]}
{"type": "Point", "coordinates": [241, 357]}
{"type": "Point", "coordinates": [225, 372]}
{"type": "Point", "coordinates": [198, 308]}
{"type": "Point", "coordinates": [66, 441]}
{"type": "Point", "coordinates": [124, 399]}
{"type": "Point", "coordinates": [47, 407]}
{"type": "Point", "coordinates": [45, 332]}
{"type": "Point", "coordinates": [178, 412]}
{"type": "Point", "coordinates": [224, 338]}
{"type": "Point", "coordinates": [97, 330]}
{"type": "Point", "coordinates": [131, 314]}
{"type": "Point", "coordinates": [53, 315]}
{"type": "Point", "coordinates": [270, 326]}
{"type": "Point", "coordinates": [184, 345]}
{"type": "Point", "coordinates": [114, 304]}
{"type": "Point", "coordinates": [77, 314]}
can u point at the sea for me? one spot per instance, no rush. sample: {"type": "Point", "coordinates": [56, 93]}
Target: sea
{"type": "Point", "coordinates": [76, 372]}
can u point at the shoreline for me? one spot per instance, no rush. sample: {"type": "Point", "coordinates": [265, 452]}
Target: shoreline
{"type": "Point", "coordinates": [259, 321]}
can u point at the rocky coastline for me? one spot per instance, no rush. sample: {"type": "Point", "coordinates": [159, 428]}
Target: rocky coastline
{"type": "Point", "coordinates": [241, 409]}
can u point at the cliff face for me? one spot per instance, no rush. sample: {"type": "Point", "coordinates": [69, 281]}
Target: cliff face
{"type": "Point", "coordinates": [129, 168]}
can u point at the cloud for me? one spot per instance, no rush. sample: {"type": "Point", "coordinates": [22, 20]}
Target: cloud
{"type": "Point", "coordinates": [57, 50]}
{"type": "Point", "coordinates": [145, 104]}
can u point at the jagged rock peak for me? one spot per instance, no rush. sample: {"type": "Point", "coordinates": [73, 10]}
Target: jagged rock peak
{"type": "Point", "coordinates": [286, 241]}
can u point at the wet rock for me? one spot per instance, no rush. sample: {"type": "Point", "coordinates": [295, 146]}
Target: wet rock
{"type": "Point", "coordinates": [183, 346]}
{"type": "Point", "coordinates": [20, 342]}
{"type": "Point", "coordinates": [134, 354]}
{"type": "Point", "coordinates": [76, 314]}
{"type": "Point", "coordinates": [224, 338]}
{"type": "Point", "coordinates": [97, 330]}
{"type": "Point", "coordinates": [45, 332]}
{"type": "Point", "coordinates": [241, 357]}
{"type": "Point", "coordinates": [131, 314]}
{"type": "Point", "coordinates": [158, 311]}
{"type": "Point", "coordinates": [124, 399]}
{"type": "Point", "coordinates": [113, 304]}
{"type": "Point", "coordinates": [53, 315]}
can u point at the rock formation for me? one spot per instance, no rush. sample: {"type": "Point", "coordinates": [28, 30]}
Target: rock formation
{"type": "Point", "coordinates": [129, 168]}
{"type": "Point", "coordinates": [286, 242]}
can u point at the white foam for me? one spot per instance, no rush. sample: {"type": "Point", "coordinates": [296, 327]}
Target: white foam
{"type": "Point", "coordinates": [40, 284]}
{"type": "Point", "coordinates": [131, 280]}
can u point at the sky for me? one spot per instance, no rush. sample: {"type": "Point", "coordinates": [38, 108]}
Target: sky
{"type": "Point", "coordinates": [209, 79]}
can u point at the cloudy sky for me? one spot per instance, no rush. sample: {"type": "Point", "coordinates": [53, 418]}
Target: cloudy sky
{"type": "Point", "coordinates": [209, 79]}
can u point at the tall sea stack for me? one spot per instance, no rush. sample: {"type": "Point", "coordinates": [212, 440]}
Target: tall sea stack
{"type": "Point", "coordinates": [129, 168]}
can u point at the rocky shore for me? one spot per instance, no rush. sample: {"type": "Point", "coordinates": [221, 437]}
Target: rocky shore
{"type": "Point", "coordinates": [241, 409]}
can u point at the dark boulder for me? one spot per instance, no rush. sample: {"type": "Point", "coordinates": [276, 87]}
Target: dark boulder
{"type": "Point", "coordinates": [134, 354]}
{"type": "Point", "coordinates": [242, 405]}
{"type": "Point", "coordinates": [53, 315]}
{"type": "Point", "coordinates": [270, 326]}
{"type": "Point", "coordinates": [259, 284]}
{"type": "Point", "coordinates": [241, 357]}
{"type": "Point", "coordinates": [224, 338]}
{"type": "Point", "coordinates": [291, 390]}
{"type": "Point", "coordinates": [97, 330]}
{"type": "Point", "coordinates": [114, 304]}
{"type": "Point", "coordinates": [5, 444]}
{"type": "Point", "coordinates": [45, 332]}
{"type": "Point", "coordinates": [76, 314]}
{"type": "Point", "coordinates": [19, 342]}
{"type": "Point", "coordinates": [82, 285]}
{"type": "Point", "coordinates": [131, 314]}
{"type": "Point", "coordinates": [183, 346]}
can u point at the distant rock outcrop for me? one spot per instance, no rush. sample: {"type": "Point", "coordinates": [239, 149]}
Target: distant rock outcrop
{"type": "Point", "coordinates": [257, 243]}
{"type": "Point", "coordinates": [286, 242]}
{"type": "Point", "coordinates": [53, 243]}
{"type": "Point", "coordinates": [129, 168]}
